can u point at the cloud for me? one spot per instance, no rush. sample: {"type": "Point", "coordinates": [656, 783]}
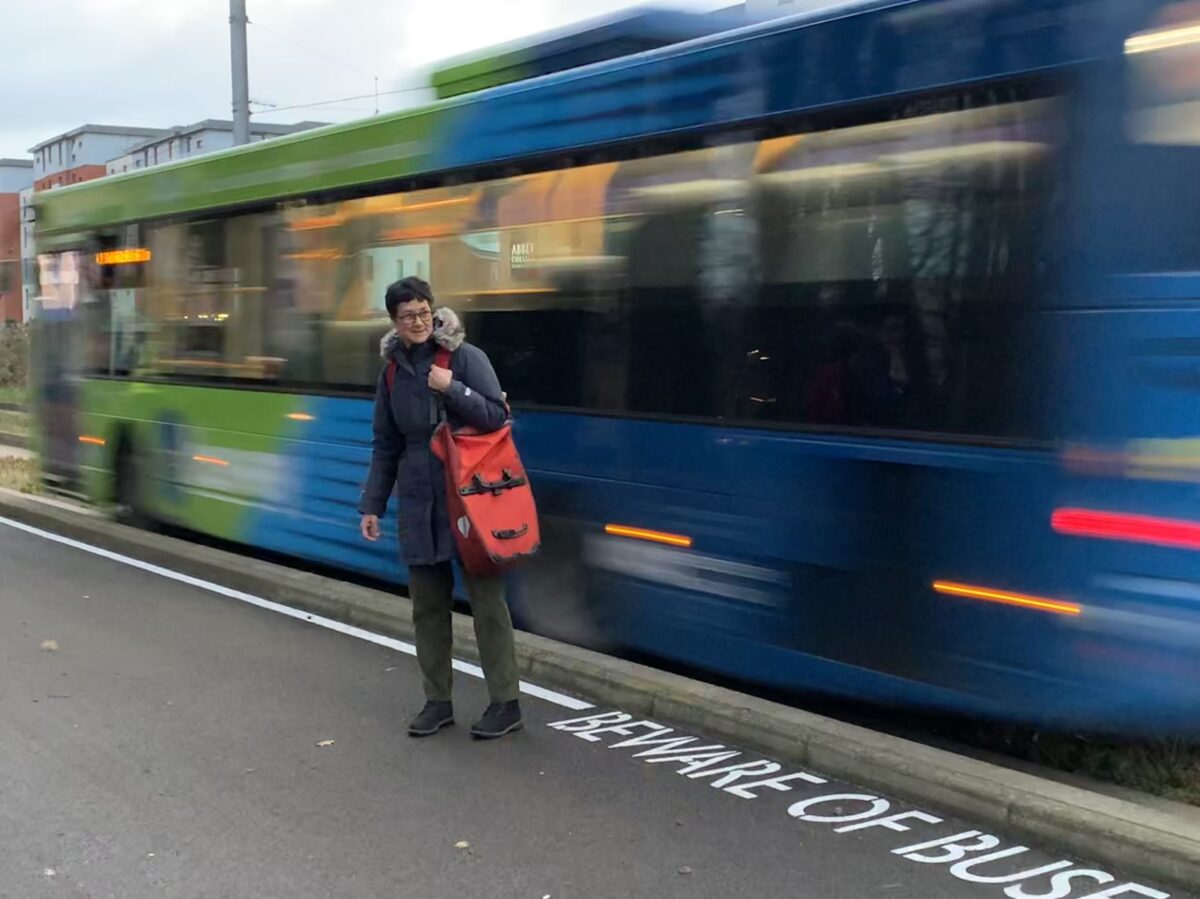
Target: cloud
{"type": "Point", "coordinates": [166, 62]}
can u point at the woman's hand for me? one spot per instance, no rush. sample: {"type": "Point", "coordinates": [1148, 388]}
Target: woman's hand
{"type": "Point", "coordinates": [369, 527]}
{"type": "Point", "coordinates": [440, 379]}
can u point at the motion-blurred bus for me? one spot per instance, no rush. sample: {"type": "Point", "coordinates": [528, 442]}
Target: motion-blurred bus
{"type": "Point", "coordinates": [856, 352]}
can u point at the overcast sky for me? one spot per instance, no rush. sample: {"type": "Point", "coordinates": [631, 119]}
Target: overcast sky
{"type": "Point", "coordinates": [159, 63]}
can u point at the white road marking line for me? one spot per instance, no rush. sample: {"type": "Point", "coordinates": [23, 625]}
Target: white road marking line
{"type": "Point", "coordinates": [529, 689]}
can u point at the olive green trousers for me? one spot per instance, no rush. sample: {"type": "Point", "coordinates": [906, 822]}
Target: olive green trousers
{"type": "Point", "coordinates": [431, 588]}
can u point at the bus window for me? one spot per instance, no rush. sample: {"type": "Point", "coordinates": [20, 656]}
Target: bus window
{"type": "Point", "coordinates": [328, 330]}
{"type": "Point", "coordinates": [519, 258]}
{"type": "Point", "coordinates": [208, 297]}
{"type": "Point", "coordinates": [1164, 69]}
{"type": "Point", "coordinates": [878, 276]}
{"type": "Point", "coordinates": [112, 307]}
{"type": "Point", "coordinates": [1152, 180]}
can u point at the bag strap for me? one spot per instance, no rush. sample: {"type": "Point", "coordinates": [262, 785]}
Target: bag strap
{"type": "Point", "coordinates": [442, 360]}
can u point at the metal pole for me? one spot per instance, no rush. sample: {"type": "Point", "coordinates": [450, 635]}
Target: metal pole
{"type": "Point", "coordinates": [241, 73]}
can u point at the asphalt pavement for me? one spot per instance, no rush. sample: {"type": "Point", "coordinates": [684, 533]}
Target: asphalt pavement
{"type": "Point", "coordinates": [160, 740]}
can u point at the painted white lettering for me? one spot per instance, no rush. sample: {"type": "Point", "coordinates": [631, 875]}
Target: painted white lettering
{"type": "Point", "coordinates": [737, 772]}
{"type": "Point", "coordinates": [1060, 885]}
{"type": "Point", "coordinates": [624, 729]}
{"type": "Point", "coordinates": [589, 722]}
{"type": "Point", "coordinates": [774, 783]}
{"type": "Point", "coordinates": [956, 851]}
{"type": "Point", "coordinates": [651, 739]}
{"type": "Point", "coordinates": [878, 807]}
{"type": "Point", "coordinates": [1127, 889]}
{"type": "Point", "coordinates": [699, 760]}
{"type": "Point", "coordinates": [891, 822]}
{"type": "Point", "coordinates": [668, 747]}
{"type": "Point", "coordinates": [963, 870]}
{"type": "Point", "coordinates": [676, 756]}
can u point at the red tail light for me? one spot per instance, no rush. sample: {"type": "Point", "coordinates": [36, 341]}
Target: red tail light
{"type": "Point", "coordinates": [1171, 532]}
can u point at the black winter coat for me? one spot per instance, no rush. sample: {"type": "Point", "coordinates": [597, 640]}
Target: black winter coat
{"type": "Point", "coordinates": [405, 418]}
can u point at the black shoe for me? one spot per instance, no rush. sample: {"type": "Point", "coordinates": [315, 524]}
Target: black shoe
{"type": "Point", "coordinates": [433, 718]}
{"type": "Point", "coordinates": [500, 718]}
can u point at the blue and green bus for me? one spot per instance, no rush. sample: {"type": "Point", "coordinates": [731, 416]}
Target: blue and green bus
{"type": "Point", "coordinates": [856, 351]}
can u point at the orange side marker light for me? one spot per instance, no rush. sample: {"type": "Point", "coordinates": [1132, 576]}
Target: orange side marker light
{"type": "Point", "coordinates": [620, 530]}
{"type": "Point", "coordinates": [1005, 597]}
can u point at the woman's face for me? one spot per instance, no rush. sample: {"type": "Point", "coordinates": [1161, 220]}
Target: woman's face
{"type": "Point", "coordinates": [414, 322]}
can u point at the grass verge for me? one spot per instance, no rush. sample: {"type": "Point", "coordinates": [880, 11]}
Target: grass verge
{"type": "Point", "coordinates": [14, 423]}
{"type": "Point", "coordinates": [1167, 767]}
{"type": "Point", "coordinates": [14, 395]}
{"type": "Point", "coordinates": [19, 474]}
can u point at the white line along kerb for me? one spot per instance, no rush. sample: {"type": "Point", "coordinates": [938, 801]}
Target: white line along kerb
{"type": "Point", "coordinates": [561, 699]}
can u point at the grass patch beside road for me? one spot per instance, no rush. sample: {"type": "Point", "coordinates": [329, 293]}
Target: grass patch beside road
{"type": "Point", "coordinates": [14, 395]}
{"type": "Point", "coordinates": [14, 423]}
{"type": "Point", "coordinates": [19, 474]}
{"type": "Point", "coordinates": [1168, 767]}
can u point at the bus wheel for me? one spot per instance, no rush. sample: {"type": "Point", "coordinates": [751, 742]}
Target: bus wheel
{"type": "Point", "coordinates": [127, 507]}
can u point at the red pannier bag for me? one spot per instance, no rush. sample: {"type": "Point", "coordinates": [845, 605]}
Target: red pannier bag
{"type": "Point", "coordinates": [490, 502]}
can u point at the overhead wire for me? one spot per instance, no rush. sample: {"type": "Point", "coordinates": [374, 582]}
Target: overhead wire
{"type": "Point", "coordinates": [405, 90]}
{"type": "Point", "coordinates": [280, 36]}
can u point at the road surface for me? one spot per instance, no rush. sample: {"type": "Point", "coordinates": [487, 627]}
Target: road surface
{"type": "Point", "coordinates": [159, 740]}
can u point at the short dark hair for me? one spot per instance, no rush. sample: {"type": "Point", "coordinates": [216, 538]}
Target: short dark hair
{"type": "Point", "coordinates": [406, 290]}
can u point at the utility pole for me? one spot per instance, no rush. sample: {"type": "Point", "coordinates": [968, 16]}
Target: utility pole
{"type": "Point", "coordinates": [241, 72]}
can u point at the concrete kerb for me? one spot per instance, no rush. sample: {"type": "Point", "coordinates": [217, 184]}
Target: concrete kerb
{"type": "Point", "coordinates": [1163, 845]}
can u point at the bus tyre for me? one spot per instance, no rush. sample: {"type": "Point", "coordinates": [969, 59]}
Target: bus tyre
{"type": "Point", "coordinates": [127, 507]}
{"type": "Point", "coordinates": [553, 596]}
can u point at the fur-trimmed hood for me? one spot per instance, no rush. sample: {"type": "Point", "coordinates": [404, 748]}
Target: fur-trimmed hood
{"type": "Point", "coordinates": [448, 332]}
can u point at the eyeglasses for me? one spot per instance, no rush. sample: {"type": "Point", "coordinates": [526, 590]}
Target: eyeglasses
{"type": "Point", "coordinates": [410, 318]}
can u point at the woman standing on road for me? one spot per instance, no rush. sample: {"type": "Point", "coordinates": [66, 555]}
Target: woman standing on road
{"type": "Point", "coordinates": [406, 413]}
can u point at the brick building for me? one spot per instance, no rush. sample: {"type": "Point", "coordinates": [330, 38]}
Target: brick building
{"type": "Point", "coordinates": [15, 176]}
